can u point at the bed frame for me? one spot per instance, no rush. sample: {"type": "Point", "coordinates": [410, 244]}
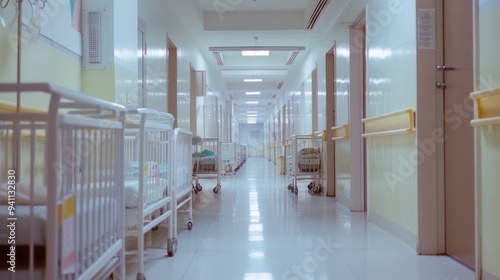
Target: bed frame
{"type": "Point", "coordinates": [208, 167]}
{"type": "Point", "coordinates": [62, 150]}
{"type": "Point", "coordinates": [149, 174]}
{"type": "Point", "coordinates": [182, 176]}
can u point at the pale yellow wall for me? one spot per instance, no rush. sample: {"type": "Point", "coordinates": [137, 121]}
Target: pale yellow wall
{"type": "Point", "coordinates": [489, 138]}
{"type": "Point", "coordinates": [40, 62]}
{"type": "Point", "coordinates": [391, 86]}
{"type": "Point", "coordinates": [490, 159]}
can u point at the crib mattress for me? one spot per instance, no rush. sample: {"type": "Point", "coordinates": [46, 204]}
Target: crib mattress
{"type": "Point", "coordinates": [156, 189]}
{"type": "Point", "coordinates": [37, 223]}
{"type": "Point", "coordinates": [24, 224]}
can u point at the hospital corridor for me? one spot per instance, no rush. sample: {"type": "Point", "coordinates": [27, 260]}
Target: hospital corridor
{"type": "Point", "coordinates": [249, 139]}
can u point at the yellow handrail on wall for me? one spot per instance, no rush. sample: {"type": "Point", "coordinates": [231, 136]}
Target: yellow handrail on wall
{"type": "Point", "coordinates": [340, 132]}
{"type": "Point", "coordinates": [486, 107]}
{"type": "Point", "coordinates": [398, 122]}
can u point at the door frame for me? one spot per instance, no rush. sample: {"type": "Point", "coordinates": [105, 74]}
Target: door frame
{"type": "Point", "coordinates": [331, 119]}
{"type": "Point", "coordinates": [357, 42]}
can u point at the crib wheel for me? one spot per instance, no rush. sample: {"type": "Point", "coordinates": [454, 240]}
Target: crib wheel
{"type": "Point", "coordinates": [171, 247]}
{"type": "Point", "coordinates": [190, 225]}
{"type": "Point", "coordinates": [198, 187]}
{"type": "Point", "coordinates": [290, 187]}
{"type": "Point", "coordinates": [216, 190]}
{"type": "Point", "coordinates": [154, 228]}
{"type": "Point", "coordinates": [296, 190]}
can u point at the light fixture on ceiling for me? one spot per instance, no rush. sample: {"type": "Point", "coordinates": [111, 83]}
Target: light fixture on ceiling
{"type": "Point", "coordinates": [218, 58]}
{"type": "Point", "coordinates": [252, 120]}
{"type": "Point", "coordinates": [292, 57]}
{"type": "Point", "coordinates": [252, 80]}
{"type": "Point", "coordinates": [252, 93]}
{"type": "Point", "coordinates": [252, 102]}
{"type": "Point", "coordinates": [251, 112]}
{"type": "Point", "coordinates": [251, 115]}
{"type": "Point", "coordinates": [255, 51]}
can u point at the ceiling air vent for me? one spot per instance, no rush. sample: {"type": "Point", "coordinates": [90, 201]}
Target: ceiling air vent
{"type": "Point", "coordinates": [292, 57]}
{"type": "Point", "coordinates": [320, 7]}
{"type": "Point", "coordinates": [280, 84]}
{"type": "Point", "coordinates": [274, 96]}
{"type": "Point", "coordinates": [218, 58]}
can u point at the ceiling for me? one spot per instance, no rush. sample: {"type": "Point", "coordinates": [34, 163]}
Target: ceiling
{"type": "Point", "coordinates": [224, 27]}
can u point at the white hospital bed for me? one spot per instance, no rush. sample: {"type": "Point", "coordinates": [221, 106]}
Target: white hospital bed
{"type": "Point", "coordinates": [149, 196]}
{"type": "Point", "coordinates": [62, 161]}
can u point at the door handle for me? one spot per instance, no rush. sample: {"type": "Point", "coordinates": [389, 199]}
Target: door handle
{"type": "Point", "coordinates": [441, 85]}
{"type": "Point", "coordinates": [445, 68]}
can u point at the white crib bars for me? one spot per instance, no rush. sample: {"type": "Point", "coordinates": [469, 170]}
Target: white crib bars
{"type": "Point", "coordinates": [67, 159]}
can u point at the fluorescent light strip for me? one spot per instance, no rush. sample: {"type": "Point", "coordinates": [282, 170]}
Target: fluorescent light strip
{"type": "Point", "coordinates": [251, 115]}
{"type": "Point", "coordinates": [218, 58]}
{"type": "Point", "coordinates": [252, 93]}
{"type": "Point", "coordinates": [292, 57]}
{"type": "Point", "coordinates": [252, 102]}
{"type": "Point", "coordinates": [252, 80]}
{"type": "Point", "coordinates": [255, 53]}
{"type": "Point", "coordinates": [252, 112]}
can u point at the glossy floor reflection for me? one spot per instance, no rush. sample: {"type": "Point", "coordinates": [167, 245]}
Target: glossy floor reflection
{"type": "Point", "coordinates": [255, 229]}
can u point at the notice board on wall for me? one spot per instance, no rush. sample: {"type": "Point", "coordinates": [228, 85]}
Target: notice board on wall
{"type": "Point", "coordinates": [58, 21]}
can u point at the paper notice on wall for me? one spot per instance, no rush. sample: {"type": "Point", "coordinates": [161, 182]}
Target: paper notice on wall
{"type": "Point", "coordinates": [426, 29]}
{"type": "Point", "coordinates": [66, 211]}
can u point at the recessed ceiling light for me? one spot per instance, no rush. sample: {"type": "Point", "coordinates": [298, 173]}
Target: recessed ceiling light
{"type": "Point", "coordinates": [252, 93]}
{"type": "Point", "coordinates": [252, 80]}
{"type": "Point", "coordinates": [251, 115]}
{"type": "Point", "coordinates": [251, 112]}
{"type": "Point", "coordinates": [252, 102]}
{"type": "Point", "coordinates": [255, 53]}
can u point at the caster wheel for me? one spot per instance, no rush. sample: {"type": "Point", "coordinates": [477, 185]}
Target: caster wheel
{"type": "Point", "coordinates": [217, 188]}
{"type": "Point", "coordinates": [154, 228]}
{"type": "Point", "coordinates": [289, 187]}
{"type": "Point", "coordinates": [310, 186]}
{"type": "Point", "coordinates": [316, 190]}
{"type": "Point", "coordinates": [199, 187]}
{"type": "Point", "coordinates": [190, 225]}
{"type": "Point", "coordinates": [172, 247]}
{"type": "Point", "coordinates": [296, 190]}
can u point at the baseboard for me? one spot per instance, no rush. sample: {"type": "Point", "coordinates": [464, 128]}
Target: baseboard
{"type": "Point", "coordinates": [394, 229]}
{"type": "Point", "coordinates": [486, 276]}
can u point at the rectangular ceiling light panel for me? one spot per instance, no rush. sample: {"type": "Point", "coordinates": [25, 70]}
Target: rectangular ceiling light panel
{"type": "Point", "coordinates": [255, 53]}
{"type": "Point", "coordinates": [254, 72]}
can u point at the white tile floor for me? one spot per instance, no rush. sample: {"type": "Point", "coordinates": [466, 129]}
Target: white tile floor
{"type": "Point", "coordinates": [255, 229]}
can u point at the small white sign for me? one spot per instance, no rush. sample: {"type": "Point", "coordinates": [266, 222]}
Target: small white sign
{"type": "Point", "coordinates": [426, 29]}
